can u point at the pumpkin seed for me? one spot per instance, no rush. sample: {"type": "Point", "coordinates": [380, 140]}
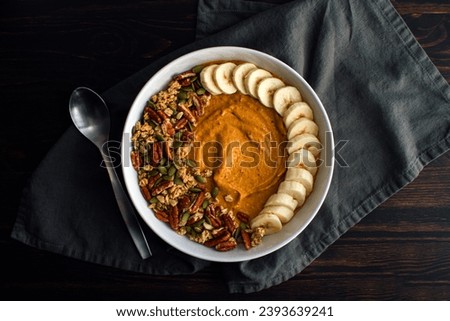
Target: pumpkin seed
{"type": "Point", "coordinates": [201, 91]}
{"type": "Point", "coordinates": [205, 204]}
{"type": "Point", "coordinates": [178, 181]}
{"type": "Point", "coordinates": [200, 179]}
{"type": "Point", "coordinates": [184, 218]}
{"type": "Point", "coordinates": [198, 68]}
{"type": "Point", "coordinates": [191, 163]}
{"type": "Point", "coordinates": [195, 189]}
{"type": "Point", "coordinates": [154, 200]}
{"type": "Point", "coordinates": [162, 170]}
{"type": "Point", "coordinates": [171, 171]}
{"type": "Point", "coordinates": [215, 192]}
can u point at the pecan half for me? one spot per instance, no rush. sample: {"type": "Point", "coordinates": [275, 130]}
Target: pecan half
{"type": "Point", "coordinates": [243, 217]}
{"type": "Point", "coordinates": [181, 123]}
{"type": "Point", "coordinates": [156, 153]}
{"type": "Point", "coordinates": [227, 245]}
{"type": "Point", "coordinates": [162, 115]}
{"type": "Point", "coordinates": [185, 82]}
{"type": "Point", "coordinates": [184, 75]}
{"type": "Point", "coordinates": [162, 216]}
{"type": "Point", "coordinates": [162, 187]}
{"type": "Point", "coordinates": [153, 115]}
{"type": "Point", "coordinates": [168, 151]}
{"type": "Point", "coordinates": [187, 112]}
{"type": "Point", "coordinates": [229, 222]}
{"type": "Point", "coordinates": [246, 239]}
{"type": "Point", "coordinates": [198, 201]}
{"type": "Point", "coordinates": [146, 193]}
{"type": "Point", "coordinates": [198, 105]}
{"type": "Point", "coordinates": [211, 215]}
{"type": "Point", "coordinates": [219, 239]}
{"type": "Point", "coordinates": [174, 218]}
{"type": "Point", "coordinates": [135, 160]}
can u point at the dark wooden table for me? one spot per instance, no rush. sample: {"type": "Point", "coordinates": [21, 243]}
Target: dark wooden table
{"type": "Point", "coordinates": [401, 251]}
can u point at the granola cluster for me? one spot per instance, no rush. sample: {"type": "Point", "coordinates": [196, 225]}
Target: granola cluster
{"type": "Point", "coordinates": [170, 180]}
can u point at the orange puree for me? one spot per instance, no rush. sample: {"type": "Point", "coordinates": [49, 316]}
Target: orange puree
{"type": "Point", "coordinates": [241, 141]}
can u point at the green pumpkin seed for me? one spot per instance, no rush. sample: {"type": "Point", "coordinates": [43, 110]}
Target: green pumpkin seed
{"type": "Point", "coordinates": [191, 163]}
{"type": "Point", "coordinates": [198, 68]}
{"type": "Point", "coordinates": [201, 91]}
{"type": "Point", "coordinates": [200, 179]}
{"type": "Point", "coordinates": [171, 171]}
{"type": "Point", "coordinates": [184, 218]}
{"type": "Point", "coordinates": [162, 170]}
{"type": "Point", "coordinates": [215, 192]}
{"type": "Point", "coordinates": [154, 200]}
{"type": "Point", "coordinates": [178, 181]}
{"type": "Point", "coordinates": [205, 204]}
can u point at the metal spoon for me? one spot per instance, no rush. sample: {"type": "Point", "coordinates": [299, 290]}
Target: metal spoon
{"type": "Point", "coordinates": [91, 116]}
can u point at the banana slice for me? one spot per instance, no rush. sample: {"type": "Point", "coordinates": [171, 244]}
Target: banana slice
{"type": "Point", "coordinates": [284, 97]}
{"type": "Point", "coordinates": [266, 88]}
{"type": "Point", "coordinates": [306, 141]}
{"type": "Point", "coordinates": [252, 79]}
{"type": "Point", "coordinates": [270, 222]}
{"type": "Point", "coordinates": [295, 189]}
{"type": "Point", "coordinates": [206, 77]}
{"type": "Point", "coordinates": [302, 176]}
{"type": "Point", "coordinates": [282, 199]}
{"type": "Point", "coordinates": [223, 77]}
{"type": "Point", "coordinates": [296, 111]}
{"type": "Point", "coordinates": [239, 73]}
{"type": "Point", "coordinates": [301, 126]}
{"type": "Point", "coordinates": [303, 158]}
{"type": "Point", "coordinates": [282, 212]}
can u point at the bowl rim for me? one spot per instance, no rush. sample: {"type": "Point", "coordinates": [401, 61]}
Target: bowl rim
{"type": "Point", "coordinates": [166, 72]}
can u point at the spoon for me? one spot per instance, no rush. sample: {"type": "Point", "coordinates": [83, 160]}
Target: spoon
{"type": "Point", "coordinates": [91, 117]}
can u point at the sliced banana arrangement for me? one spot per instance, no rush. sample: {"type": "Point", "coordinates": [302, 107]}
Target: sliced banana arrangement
{"type": "Point", "coordinates": [302, 132]}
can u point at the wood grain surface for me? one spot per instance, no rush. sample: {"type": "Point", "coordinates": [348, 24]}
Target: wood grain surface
{"type": "Point", "coordinates": [401, 251]}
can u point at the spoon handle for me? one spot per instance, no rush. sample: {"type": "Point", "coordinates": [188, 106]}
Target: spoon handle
{"type": "Point", "coordinates": [126, 209]}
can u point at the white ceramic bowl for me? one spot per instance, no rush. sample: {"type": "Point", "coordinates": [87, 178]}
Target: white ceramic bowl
{"type": "Point", "coordinates": [323, 179]}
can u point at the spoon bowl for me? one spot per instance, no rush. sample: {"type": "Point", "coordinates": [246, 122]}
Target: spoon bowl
{"type": "Point", "coordinates": [90, 115]}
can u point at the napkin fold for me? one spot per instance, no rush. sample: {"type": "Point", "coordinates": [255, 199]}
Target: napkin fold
{"type": "Point", "coordinates": [388, 104]}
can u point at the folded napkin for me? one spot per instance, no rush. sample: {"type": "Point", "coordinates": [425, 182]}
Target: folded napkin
{"type": "Point", "coordinates": [388, 104]}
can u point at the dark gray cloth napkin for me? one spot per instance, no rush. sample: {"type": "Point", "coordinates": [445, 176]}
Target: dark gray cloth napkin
{"type": "Point", "coordinates": [384, 96]}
